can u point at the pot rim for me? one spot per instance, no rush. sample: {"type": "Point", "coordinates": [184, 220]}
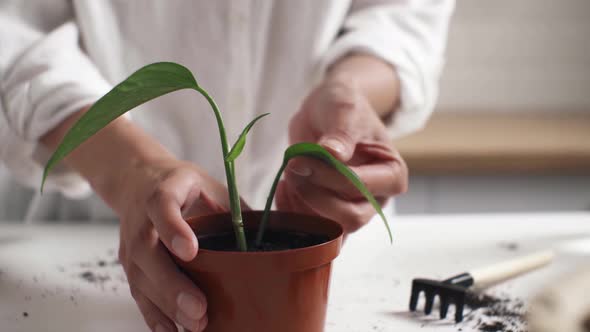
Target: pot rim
{"type": "Point", "coordinates": [267, 263]}
{"type": "Point", "coordinates": [333, 238]}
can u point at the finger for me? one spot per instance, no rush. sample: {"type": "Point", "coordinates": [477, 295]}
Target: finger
{"type": "Point", "coordinates": [122, 253]}
{"type": "Point", "coordinates": [351, 215]}
{"type": "Point", "coordinates": [299, 129]}
{"type": "Point", "coordinates": [281, 198]}
{"type": "Point", "coordinates": [371, 151]}
{"type": "Point", "coordinates": [384, 179]}
{"type": "Point", "coordinates": [339, 142]}
{"type": "Point", "coordinates": [143, 285]}
{"type": "Point", "coordinates": [381, 179]}
{"type": "Point", "coordinates": [287, 200]}
{"type": "Point", "coordinates": [164, 284]}
{"type": "Point", "coordinates": [154, 318]}
{"type": "Point", "coordinates": [201, 206]}
{"type": "Point", "coordinates": [164, 210]}
{"type": "Point", "coordinates": [346, 125]}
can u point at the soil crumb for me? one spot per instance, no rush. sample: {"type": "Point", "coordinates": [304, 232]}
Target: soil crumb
{"type": "Point", "coordinates": [492, 327]}
{"type": "Point", "coordinates": [93, 277]}
{"type": "Point", "coordinates": [103, 271]}
{"type": "Point", "coordinates": [273, 241]}
{"type": "Point", "coordinates": [510, 246]}
{"type": "Point", "coordinates": [496, 313]}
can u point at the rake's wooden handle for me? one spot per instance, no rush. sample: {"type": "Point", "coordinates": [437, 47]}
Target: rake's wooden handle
{"type": "Point", "coordinates": [494, 274]}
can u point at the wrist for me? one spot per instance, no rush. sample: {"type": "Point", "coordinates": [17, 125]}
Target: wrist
{"type": "Point", "coordinates": [345, 91]}
{"type": "Point", "coordinates": [376, 79]}
{"type": "Point", "coordinates": [343, 79]}
{"type": "Point", "coordinates": [109, 158]}
{"type": "Point", "coordinates": [341, 74]}
{"type": "Point", "coordinates": [116, 182]}
{"type": "Point", "coordinates": [121, 154]}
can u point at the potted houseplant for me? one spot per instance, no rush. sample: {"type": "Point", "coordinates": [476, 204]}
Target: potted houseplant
{"type": "Point", "coordinates": [262, 271]}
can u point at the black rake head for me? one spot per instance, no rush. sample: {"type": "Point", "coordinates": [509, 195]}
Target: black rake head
{"type": "Point", "coordinates": [447, 293]}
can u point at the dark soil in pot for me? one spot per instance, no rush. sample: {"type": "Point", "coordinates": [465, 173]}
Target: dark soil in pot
{"type": "Point", "coordinates": [272, 241]}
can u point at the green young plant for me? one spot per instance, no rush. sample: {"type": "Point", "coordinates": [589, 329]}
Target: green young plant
{"type": "Point", "coordinates": [157, 79]}
{"type": "Point", "coordinates": [315, 151]}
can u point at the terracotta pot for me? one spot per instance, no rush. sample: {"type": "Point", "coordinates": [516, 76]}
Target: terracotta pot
{"type": "Point", "coordinates": [284, 291]}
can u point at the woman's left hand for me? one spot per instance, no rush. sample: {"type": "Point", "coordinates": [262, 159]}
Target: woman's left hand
{"type": "Point", "coordinates": [339, 117]}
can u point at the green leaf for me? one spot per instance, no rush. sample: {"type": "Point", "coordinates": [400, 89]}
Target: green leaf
{"type": "Point", "coordinates": [147, 83]}
{"type": "Point", "coordinates": [315, 151]}
{"type": "Point", "coordinates": [241, 141]}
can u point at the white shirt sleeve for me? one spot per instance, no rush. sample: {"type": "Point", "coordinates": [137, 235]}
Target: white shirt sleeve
{"type": "Point", "coordinates": [411, 36]}
{"type": "Point", "coordinates": [44, 78]}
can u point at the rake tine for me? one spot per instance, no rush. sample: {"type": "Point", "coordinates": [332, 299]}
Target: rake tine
{"type": "Point", "coordinates": [444, 307]}
{"type": "Point", "coordinates": [459, 304]}
{"type": "Point", "coordinates": [429, 302]}
{"type": "Point", "coordinates": [414, 297]}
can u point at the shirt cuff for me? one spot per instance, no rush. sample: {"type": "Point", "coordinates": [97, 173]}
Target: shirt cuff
{"type": "Point", "coordinates": [49, 82]}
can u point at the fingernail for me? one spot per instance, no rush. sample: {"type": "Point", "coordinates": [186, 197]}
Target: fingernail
{"type": "Point", "coordinates": [186, 322]}
{"type": "Point", "coordinates": [183, 247]}
{"type": "Point", "coordinates": [161, 328]}
{"type": "Point", "coordinates": [190, 306]}
{"type": "Point", "coordinates": [333, 144]}
{"type": "Point", "coordinates": [303, 171]}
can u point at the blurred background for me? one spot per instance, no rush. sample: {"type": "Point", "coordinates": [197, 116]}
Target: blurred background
{"type": "Point", "coordinates": [512, 128]}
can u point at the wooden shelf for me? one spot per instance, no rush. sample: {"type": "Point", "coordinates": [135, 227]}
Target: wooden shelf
{"type": "Point", "coordinates": [500, 143]}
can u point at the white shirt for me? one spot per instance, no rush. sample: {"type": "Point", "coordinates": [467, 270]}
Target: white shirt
{"type": "Point", "coordinates": [253, 56]}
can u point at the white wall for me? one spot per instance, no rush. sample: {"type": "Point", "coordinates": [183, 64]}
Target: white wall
{"type": "Point", "coordinates": [518, 55]}
{"type": "Point", "coordinates": [511, 56]}
{"type": "Point", "coordinates": [471, 194]}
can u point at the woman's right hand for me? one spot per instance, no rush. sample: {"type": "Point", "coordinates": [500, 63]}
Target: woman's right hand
{"type": "Point", "coordinates": [151, 191]}
{"type": "Point", "coordinates": [156, 198]}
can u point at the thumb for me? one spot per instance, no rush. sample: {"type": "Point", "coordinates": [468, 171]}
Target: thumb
{"type": "Point", "coordinates": [341, 137]}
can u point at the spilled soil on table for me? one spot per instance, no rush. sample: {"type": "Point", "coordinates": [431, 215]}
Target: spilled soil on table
{"type": "Point", "coordinates": [495, 313]}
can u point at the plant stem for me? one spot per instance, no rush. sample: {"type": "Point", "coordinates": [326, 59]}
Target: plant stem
{"type": "Point", "coordinates": [265, 215]}
{"type": "Point", "coordinates": [236, 209]}
{"type": "Point", "coordinates": [234, 197]}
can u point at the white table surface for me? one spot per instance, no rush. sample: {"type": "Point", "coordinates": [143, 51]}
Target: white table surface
{"type": "Point", "coordinates": [40, 267]}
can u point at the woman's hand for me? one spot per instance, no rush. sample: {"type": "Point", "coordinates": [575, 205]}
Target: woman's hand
{"type": "Point", "coordinates": [338, 116]}
{"type": "Point", "coordinates": [157, 197]}
{"type": "Point", "coordinates": [151, 191]}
